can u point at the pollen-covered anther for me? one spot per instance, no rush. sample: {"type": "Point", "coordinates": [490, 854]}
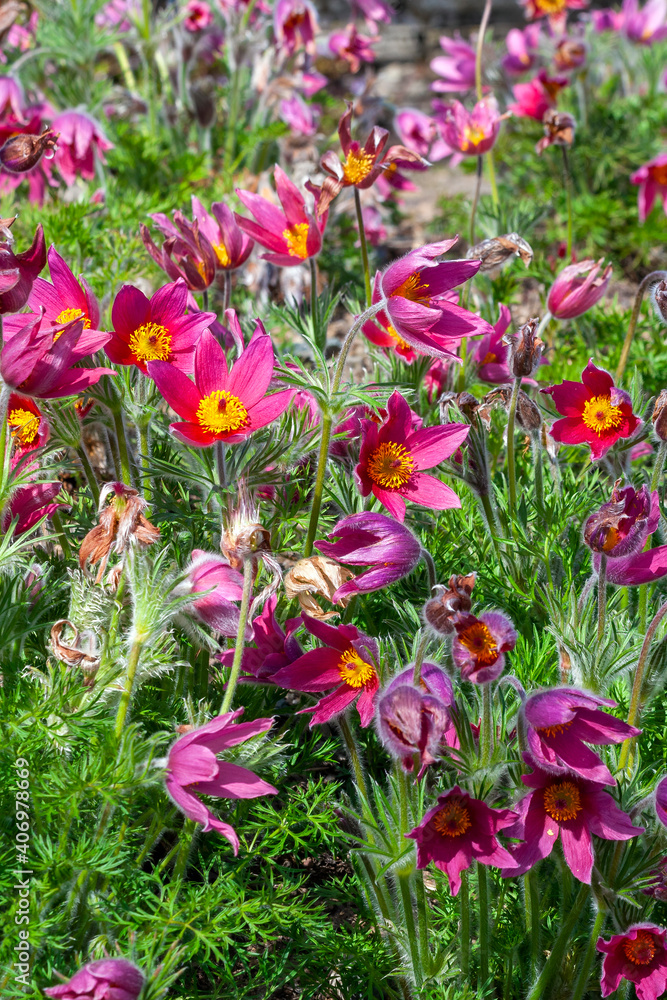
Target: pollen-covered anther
{"type": "Point", "coordinates": [403, 344]}
{"type": "Point", "coordinates": [67, 315]}
{"type": "Point", "coordinates": [642, 950]}
{"type": "Point", "coordinates": [222, 413]}
{"type": "Point", "coordinates": [223, 258]}
{"type": "Point", "coordinates": [150, 342]}
{"type": "Point", "coordinates": [554, 730]}
{"type": "Point", "coordinates": [391, 465]}
{"type": "Point", "coordinates": [478, 639]}
{"type": "Point", "coordinates": [600, 415]}
{"type": "Point", "coordinates": [353, 670]}
{"type": "Point", "coordinates": [452, 820]}
{"type": "Point", "coordinates": [24, 425]}
{"type": "Point", "coordinates": [472, 136]}
{"type": "Point", "coordinates": [357, 166]}
{"type": "Point", "coordinates": [562, 801]}
{"type": "Point", "coordinates": [413, 289]}
{"type": "Point", "coordinates": [297, 240]}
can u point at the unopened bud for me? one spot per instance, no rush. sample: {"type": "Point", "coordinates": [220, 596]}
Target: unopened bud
{"type": "Point", "coordinates": [659, 299]}
{"type": "Point", "coordinates": [23, 152]}
{"type": "Point", "coordinates": [528, 415]}
{"type": "Point", "coordinates": [659, 417]}
{"type": "Point", "coordinates": [441, 611]}
{"type": "Point", "coordinates": [558, 130]}
{"type": "Point", "coordinates": [499, 250]}
{"type": "Point", "coordinates": [525, 349]}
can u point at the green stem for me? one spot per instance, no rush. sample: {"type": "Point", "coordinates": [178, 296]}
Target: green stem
{"type": "Point", "coordinates": [461, 382]}
{"type": "Point", "coordinates": [185, 844]}
{"type": "Point", "coordinates": [89, 474]}
{"type": "Point", "coordinates": [419, 659]}
{"type": "Point", "coordinates": [487, 735]}
{"type": "Point", "coordinates": [145, 445]}
{"type": "Point", "coordinates": [483, 886]}
{"type": "Point", "coordinates": [62, 537]}
{"type": "Point", "coordinates": [536, 439]}
{"type": "Point", "coordinates": [430, 567]}
{"type": "Point", "coordinates": [314, 311]}
{"type": "Point", "coordinates": [585, 970]}
{"type": "Point", "coordinates": [568, 196]}
{"type": "Point", "coordinates": [318, 490]}
{"type": "Point", "coordinates": [464, 896]}
{"type": "Point", "coordinates": [635, 697]}
{"type": "Point", "coordinates": [422, 918]}
{"type": "Point", "coordinates": [221, 464]}
{"type": "Point", "coordinates": [636, 308]}
{"type": "Point", "coordinates": [475, 202]}
{"type": "Point", "coordinates": [124, 704]}
{"type": "Point", "coordinates": [364, 246]}
{"type": "Point", "coordinates": [659, 465]}
{"type": "Point", "coordinates": [492, 178]}
{"type": "Point", "coordinates": [353, 751]}
{"type": "Point", "coordinates": [559, 946]}
{"type": "Point", "coordinates": [248, 575]}
{"type": "Point", "coordinates": [408, 912]}
{"type": "Point", "coordinates": [486, 14]}
{"type": "Point", "coordinates": [511, 470]}
{"type": "Point", "coordinates": [602, 596]}
{"type": "Point", "coordinates": [533, 917]}
{"type": "Point", "coordinates": [544, 322]}
{"type": "Point", "coordinates": [226, 290]}
{"type": "Point", "coordinates": [121, 439]}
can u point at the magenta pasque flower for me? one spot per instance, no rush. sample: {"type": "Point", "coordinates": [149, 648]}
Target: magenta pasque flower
{"type": "Point", "coordinates": [27, 426]}
{"type": "Point", "coordinates": [81, 141]}
{"type": "Point", "coordinates": [347, 663]}
{"type": "Point", "coordinates": [456, 68]}
{"type": "Point", "coordinates": [30, 503]}
{"type": "Point", "coordinates": [536, 96]}
{"type": "Point", "coordinates": [595, 411]}
{"type": "Point", "coordinates": [18, 272]}
{"type": "Point", "coordinates": [274, 647]}
{"type": "Point", "coordinates": [292, 235]}
{"type": "Point", "coordinates": [620, 527]}
{"type": "Point", "coordinates": [661, 801]}
{"type": "Point", "coordinates": [353, 47]}
{"type": "Point", "coordinates": [639, 567]}
{"type": "Point", "coordinates": [577, 288]}
{"type": "Point", "coordinates": [295, 25]}
{"type": "Point", "coordinates": [491, 354]}
{"type": "Point", "coordinates": [106, 979]}
{"type": "Point", "coordinates": [388, 548]}
{"type": "Point", "coordinates": [415, 719]}
{"type": "Point", "coordinates": [459, 830]}
{"type": "Point", "coordinates": [559, 724]}
{"type": "Point", "coordinates": [208, 571]}
{"type": "Point", "coordinates": [652, 181]}
{"type": "Point", "coordinates": [472, 132]}
{"type": "Point", "coordinates": [638, 955]}
{"type": "Point", "coordinates": [393, 456]}
{"type": "Point", "coordinates": [521, 49]}
{"type": "Point", "coordinates": [221, 405]}
{"type": "Point", "coordinates": [301, 118]}
{"type": "Point", "coordinates": [479, 645]}
{"type": "Point", "coordinates": [193, 769]}
{"type": "Point", "coordinates": [572, 808]}
{"type": "Point", "coordinates": [645, 25]}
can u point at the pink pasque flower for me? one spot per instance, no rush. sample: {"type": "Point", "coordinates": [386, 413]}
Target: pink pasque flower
{"type": "Point", "coordinates": [208, 571]}
{"type": "Point", "coordinates": [536, 96]}
{"type": "Point", "coordinates": [293, 235]}
{"type": "Point", "coordinates": [393, 456]}
{"type": "Point", "coordinates": [521, 49]}
{"type": "Point", "coordinates": [295, 25]}
{"type": "Point", "coordinates": [81, 141]}
{"type": "Point", "coordinates": [595, 411]}
{"type": "Point", "coordinates": [12, 100]}
{"type": "Point", "coordinates": [570, 54]}
{"type": "Point", "coordinates": [106, 979]}
{"type": "Point", "coordinates": [652, 181]}
{"type": "Point", "coordinates": [577, 288]}
{"type": "Point", "coordinates": [221, 405]}
{"type": "Point", "coordinates": [638, 955]}
{"type": "Point", "coordinates": [472, 132]}
{"type": "Point", "coordinates": [491, 354]}
{"type": "Point", "coordinates": [193, 769]}
{"type": "Point", "coordinates": [302, 118]}
{"type": "Point", "coordinates": [198, 16]}
{"type": "Point", "coordinates": [373, 11]}
{"type": "Point", "coordinates": [353, 47]}
{"type": "Point", "coordinates": [347, 662]}
{"type": "Point", "coordinates": [30, 503]}
{"type": "Point", "coordinates": [416, 719]}
{"type": "Point", "coordinates": [634, 525]}
{"type": "Point", "coordinates": [418, 132]}
{"type": "Point", "coordinates": [18, 272]}
{"type": "Point", "coordinates": [479, 645]}
{"type": "Point", "coordinates": [459, 830]}
{"type": "Point", "coordinates": [155, 329]}
{"type": "Point", "coordinates": [456, 68]}
{"type": "Point", "coordinates": [607, 19]}
{"type": "Point", "coordinates": [230, 244]}
{"type": "Point", "coordinates": [274, 647]}
{"type": "Point", "coordinates": [647, 24]}
{"type": "Point", "coordinates": [27, 426]}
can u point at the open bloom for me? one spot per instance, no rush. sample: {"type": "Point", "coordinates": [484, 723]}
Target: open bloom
{"type": "Point", "coordinates": [559, 724]}
{"type": "Point", "coordinates": [274, 647]}
{"type": "Point", "coordinates": [393, 456]}
{"type": "Point", "coordinates": [491, 353]}
{"type": "Point", "coordinates": [155, 329]}
{"type": "Point", "coordinates": [638, 955]}
{"type": "Point", "coordinates": [18, 272]}
{"type": "Point", "coordinates": [208, 571]}
{"type": "Point", "coordinates": [292, 235]}
{"type": "Point", "coordinates": [102, 980]}
{"type": "Point", "coordinates": [388, 548]}
{"type": "Point", "coordinates": [595, 411]}
{"type": "Point", "coordinates": [353, 47]}
{"type": "Point", "coordinates": [295, 25]}
{"type": "Point", "coordinates": [647, 24]}
{"type": "Point", "coordinates": [302, 118]}
{"type": "Point", "coordinates": [347, 663]}
{"type": "Point", "coordinates": [620, 527]}
{"type": "Point", "coordinates": [27, 426]}
{"type": "Point", "coordinates": [380, 331]}
{"type": "Point", "coordinates": [521, 49]}
{"type": "Point", "coordinates": [456, 68]}
{"type": "Point", "coordinates": [221, 405]}
{"type": "Point", "coordinates": [572, 808]}
{"type": "Point", "coordinates": [472, 132]}
{"type": "Point", "coordinates": [652, 181]}
{"type": "Point", "coordinates": [199, 15]}
{"type": "Point", "coordinates": [534, 98]}
{"type": "Point", "coordinates": [577, 288]}
{"type": "Point", "coordinates": [459, 830]}
{"type": "Point", "coordinates": [555, 10]}
{"type": "Point", "coordinates": [193, 769]}
{"type": "Point", "coordinates": [81, 141]}
{"type": "Point", "coordinates": [479, 645]}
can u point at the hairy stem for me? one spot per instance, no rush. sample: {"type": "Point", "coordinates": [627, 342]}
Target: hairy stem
{"type": "Point", "coordinates": [627, 343]}
{"type": "Point", "coordinates": [145, 446]}
{"type": "Point", "coordinates": [635, 697]}
{"type": "Point", "coordinates": [483, 886]}
{"type": "Point", "coordinates": [126, 696]}
{"type": "Point", "coordinates": [464, 896]}
{"type": "Point", "coordinates": [364, 246]}
{"type": "Point", "coordinates": [248, 576]}
{"type": "Point", "coordinates": [511, 469]}
{"type": "Point", "coordinates": [487, 735]}
{"type": "Point", "coordinates": [121, 439]}
{"type": "Point", "coordinates": [559, 946]}
{"type": "Point", "coordinates": [568, 197]}
{"type": "Point", "coordinates": [602, 596]}
{"type": "Point", "coordinates": [533, 917]}
{"type": "Point", "coordinates": [475, 201]}
{"type": "Point", "coordinates": [318, 490]}
{"type": "Point", "coordinates": [89, 474]}
{"type": "Point", "coordinates": [585, 970]}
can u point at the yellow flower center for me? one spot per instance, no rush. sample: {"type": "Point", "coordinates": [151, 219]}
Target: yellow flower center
{"type": "Point", "coordinates": [472, 136]}
{"type": "Point", "coordinates": [562, 801]}
{"type": "Point", "coordinates": [67, 315]}
{"type": "Point", "coordinates": [452, 820]}
{"type": "Point", "coordinates": [554, 730]}
{"type": "Point", "coordinates": [550, 6]}
{"type": "Point", "coordinates": [224, 260]}
{"type": "Point", "coordinates": [600, 415]}
{"type": "Point", "coordinates": [490, 358]}
{"type": "Point", "coordinates": [413, 290]}
{"type": "Point", "coordinates": [641, 950]}
{"type": "Point", "coordinates": [151, 342]}
{"type": "Point", "coordinates": [353, 670]}
{"type": "Point", "coordinates": [400, 343]}
{"type": "Point", "coordinates": [297, 239]}
{"type": "Point", "coordinates": [358, 165]}
{"type": "Point", "coordinates": [222, 413]}
{"type": "Point", "coordinates": [391, 465]}
{"type": "Point", "coordinates": [24, 425]}
{"type": "Point", "coordinates": [478, 639]}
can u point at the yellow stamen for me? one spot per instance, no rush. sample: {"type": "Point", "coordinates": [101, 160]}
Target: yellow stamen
{"type": "Point", "coordinates": [150, 342]}
{"type": "Point", "coordinates": [357, 166]}
{"type": "Point", "coordinates": [24, 425]}
{"type": "Point", "coordinates": [222, 413]}
{"type": "Point", "coordinates": [391, 465]}
{"type": "Point", "coordinates": [67, 315]}
{"type": "Point", "coordinates": [550, 6]}
{"type": "Point", "coordinates": [452, 820]}
{"type": "Point", "coordinates": [478, 639]}
{"type": "Point", "coordinates": [297, 240]}
{"type": "Point", "coordinates": [472, 136]}
{"type": "Point", "coordinates": [224, 260]}
{"type": "Point", "coordinates": [641, 950]}
{"type": "Point", "coordinates": [400, 343]}
{"type": "Point", "coordinates": [600, 415]}
{"type": "Point", "coordinates": [413, 290]}
{"type": "Point", "coordinates": [562, 801]}
{"type": "Point", "coordinates": [353, 670]}
{"type": "Point", "coordinates": [553, 730]}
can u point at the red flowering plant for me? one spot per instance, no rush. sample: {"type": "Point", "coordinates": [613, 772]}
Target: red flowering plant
{"type": "Point", "coordinates": [294, 234]}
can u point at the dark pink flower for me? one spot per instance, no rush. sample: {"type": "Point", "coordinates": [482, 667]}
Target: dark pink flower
{"type": "Point", "coordinates": [607, 19]}
{"type": "Point", "coordinates": [577, 288]}
{"type": "Point", "coordinates": [456, 68]}
{"type": "Point", "coordinates": [18, 272]}
{"type": "Point", "coordinates": [491, 354]}
{"type": "Point", "coordinates": [595, 411]}
{"type": "Point", "coordinates": [295, 25]}
{"type": "Point", "coordinates": [639, 567]}
{"type": "Point", "coordinates": [193, 769]}
{"type": "Point", "coordinates": [373, 11]}
{"type": "Point", "coordinates": [638, 955]}
{"type": "Point", "coordinates": [652, 181]}
{"type": "Point", "coordinates": [301, 118]}
{"type": "Point", "coordinates": [30, 504]}
{"type": "Point", "coordinates": [572, 808]}
{"type": "Point", "coordinates": [479, 645]}
{"type": "Point", "coordinates": [155, 329]}
{"type": "Point", "coordinates": [293, 235]}
{"type": "Point", "coordinates": [353, 47]}
{"type": "Point", "coordinates": [12, 100]}
{"type": "Point", "coordinates": [374, 227]}
{"type": "Point", "coordinates": [620, 527]}
{"type": "Point", "coordinates": [555, 10]}
{"type": "Point", "coordinates": [221, 405]}
{"type": "Point", "coordinates": [521, 49]}
{"type": "Point", "coordinates": [459, 830]}
{"type": "Point", "coordinates": [416, 720]}
{"type": "Point", "coordinates": [81, 141]}
{"type": "Point", "coordinates": [559, 724]}
{"type": "Point", "coordinates": [210, 572]}
{"type": "Point", "coordinates": [393, 456]}
{"type": "Point", "coordinates": [472, 132]}
{"type": "Point", "coordinates": [106, 979]}
{"type": "Point", "coordinates": [186, 254]}
{"type": "Point", "coordinates": [536, 96]}
{"type": "Point", "coordinates": [570, 54]}
{"type": "Point", "coordinates": [27, 426]}
{"type": "Point", "coordinates": [198, 15]}
{"type": "Point", "coordinates": [348, 663]}
{"type": "Point", "coordinates": [274, 648]}
{"type": "Point", "coordinates": [647, 24]}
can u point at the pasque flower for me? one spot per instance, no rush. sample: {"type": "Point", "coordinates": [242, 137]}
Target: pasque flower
{"type": "Point", "coordinates": [491, 354]}
{"type": "Point", "coordinates": [155, 329]}
{"type": "Point", "coordinates": [302, 118]}
{"type": "Point", "coordinates": [443, 609]}
{"type": "Point", "coordinates": [595, 411]}
{"type": "Point", "coordinates": [534, 98]}
{"type": "Point", "coordinates": [459, 830]}
{"type": "Point", "coordinates": [652, 181]}
{"type": "Point", "coordinates": [185, 254]}
{"type": "Point", "coordinates": [295, 25]}
{"type": "Point", "coordinates": [521, 49]}
{"type": "Point", "coordinates": [559, 724]}
{"type": "Point", "coordinates": [555, 10]}
{"type": "Point", "coordinates": [388, 548]}
{"type": "Point", "coordinates": [27, 426]}
{"type": "Point", "coordinates": [30, 503]}
{"type": "Point", "coordinates": [639, 955]}
{"type": "Point", "coordinates": [221, 405]}
{"type": "Point", "coordinates": [472, 132]}
{"type": "Point", "coordinates": [22, 152]}
{"type": "Point", "coordinates": [193, 769]}
{"type": "Point", "coordinates": [647, 24]}
{"type": "Point", "coordinates": [577, 288]}
{"type": "Point", "coordinates": [208, 571]}
{"type": "Point", "coordinates": [415, 719]}
{"type": "Point", "coordinates": [558, 131]}
{"type": "Point", "coordinates": [347, 662]}
{"type": "Point", "coordinates": [380, 331]}
{"type": "Point", "coordinates": [572, 808]}
{"type": "Point", "coordinates": [661, 801]}
{"type": "Point", "coordinates": [106, 979]}
{"type": "Point", "coordinates": [393, 456]}
{"type": "Point", "coordinates": [18, 272]}
{"type": "Point", "coordinates": [620, 527]}
{"type": "Point", "coordinates": [456, 68]}
{"type": "Point", "coordinates": [81, 141]}
{"type": "Point", "coordinates": [12, 100]}
{"type": "Point", "coordinates": [638, 567]}
{"type": "Point", "coordinates": [479, 645]}
{"type": "Point", "coordinates": [274, 647]}
{"type": "Point", "coordinates": [292, 235]}
{"type": "Point", "coordinates": [353, 47]}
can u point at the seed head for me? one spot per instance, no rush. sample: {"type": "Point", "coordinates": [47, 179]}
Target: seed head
{"type": "Point", "coordinates": [500, 250]}
{"type": "Point", "coordinates": [23, 152]}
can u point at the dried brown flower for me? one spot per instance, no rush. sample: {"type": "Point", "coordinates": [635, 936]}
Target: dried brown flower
{"type": "Point", "coordinates": [558, 130]}
{"type": "Point", "coordinates": [525, 349]}
{"type": "Point", "coordinates": [442, 610]}
{"type": "Point", "coordinates": [317, 575]}
{"type": "Point", "coordinates": [500, 250]}
{"type": "Point", "coordinates": [71, 654]}
{"type": "Point", "coordinates": [120, 523]}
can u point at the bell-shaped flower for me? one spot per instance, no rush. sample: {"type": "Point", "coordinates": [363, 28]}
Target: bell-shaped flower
{"type": "Point", "coordinates": [472, 132]}
{"type": "Point", "coordinates": [105, 979]}
{"type": "Point", "coordinates": [577, 288]}
{"type": "Point", "coordinates": [293, 234]}
{"type": "Point", "coordinates": [652, 181]}
{"type": "Point", "coordinates": [221, 405]}
{"type": "Point", "coordinates": [456, 68]}
{"type": "Point", "coordinates": [81, 141]}
{"type": "Point", "coordinates": [18, 272]}
{"type": "Point", "coordinates": [30, 503]}
{"type": "Point", "coordinates": [295, 25]}
{"type": "Point", "coordinates": [638, 955]}
{"type": "Point", "coordinates": [231, 245]}
{"type": "Point", "coordinates": [274, 647]}
{"type": "Point", "coordinates": [193, 769]}
{"type": "Point", "coordinates": [347, 662]}
{"type": "Point", "coordinates": [353, 47]}
{"type": "Point", "coordinates": [647, 24]}
{"type": "Point", "coordinates": [534, 98]}
{"type": "Point", "coordinates": [521, 49]}
{"type": "Point", "coordinates": [620, 527]}
{"type": "Point", "coordinates": [661, 801]}
{"type": "Point", "coordinates": [416, 719]}
{"type": "Point", "coordinates": [186, 253]}
{"type": "Point", "coordinates": [210, 572]}
{"type": "Point", "coordinates": [479, 645]}
{"type": "Point", "coordinates": [639, 567]}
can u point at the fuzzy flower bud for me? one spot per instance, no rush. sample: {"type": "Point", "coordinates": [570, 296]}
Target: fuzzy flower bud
{"type": "Point", "coordinates": [412, 722]}
{"type": "Point", "coordinates": [526, 349]}
{"type": "Point", "coordinates": [109, 977]}
{"type": "Point", "coordinates": [659, 299]}
{"type": "Point", "coordinates": [442, 610]}
{"type": "Point", "coordinates": [659, 417]}
{"type": "Point", "coordinates": [500, 250]}
{"type": "Point", "coordinates": [23, 152]}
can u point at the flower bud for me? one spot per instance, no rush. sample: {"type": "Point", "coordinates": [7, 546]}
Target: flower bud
{"type": "Point", "coordinates": [500, 250]}
{"type": "Point", "coordinates": [442, 610]}
{"type": "Point", "coordinates": [412, 722]}
{"type": "Point", "coordinates": [620, 527]}
{"type": "Point", "coordinates": [525, 349]}
{"type": "Point", "coordinates": [659, 417]}
{"type": "Point", "coordinates": [659, 299]}
{"type": "Point", "coordinates": [23, 152]}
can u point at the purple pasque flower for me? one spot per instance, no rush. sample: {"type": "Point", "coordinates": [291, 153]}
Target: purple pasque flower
{"type": "Point", "coordinates": [81, 142]}
{"type": "Point", "coordinates": [18, 272]}
{"type": "Point", "coordinates": [661, 801]}
{"type": "Point", "coordinates": [208, 571]}
{"type": "Point", "coordinates": [620, 527]}
{"type": "Point", "coordinates": [193, 769]}
{"type": "Point", "coordinates": [30, 503]}
{"type": "Point", "coordinates": [640, 567]}
{"type": "Point", "coordinates": [373, 11]}
{"type": "Point", "coordinates": [459, 830]}
{"type": "Point", "coordinates": [639, 955]}
{"type": "Point", "coordinates": [106, 979]}
{"type": "Point", "coordinates": [419, 132]}
{"type": "Point", "coordinates": [347, 663]}
{"type": "Point", "coordinates": [521, 49]}
{"type": "Point", "coordinates": [295, 25]}
{"type": "Point", "coordinates": [491, 354]}
{"type": "Point", "coordinates": [456, 68]}
{"type": "Point", "coordinates": [559, 724]}
{"type": "Point", "coordinates": [386, 546]}
{"type": "Point", "coordinates": [647, 24]}
{"type": "Point", "coordinates": [471, 132]}
{"type": "Point", "coordinates": [652, 181]}
{"type": "Point", "coordinates": [213, 238]}
{"type": "Point", "coordinates": [416, 719]}
{"type": "Point", "coordinates": [353, 47]}
{"type": "Point", "coordinates": [301, 118]}
{"type": "Point", "coordinates": [274, 647]}
{"type": "Point", "coordinates": [570, 807]}
{"type": "Point", "coordinates": [479, 645]}
{"type": "Point", "coordinates": [577, 288]}
{"type": "Point", "coordinates": [186, 254]}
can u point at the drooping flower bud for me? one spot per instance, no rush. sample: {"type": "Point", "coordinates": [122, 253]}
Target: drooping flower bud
{"type": "Point", "coordinates": [620, 527]}
{"type": "Point", "coordinates": [442, 610]}
{"type": "Point", "coordinates": [500, 250]}
{"type": "Point", "coordinates": [659, 299]}
{"type": "Point", "coordinates": [558, 130]}
{"type": "Point", "coordinates": [659, 417]}
{"type": "Point", "coordinates": [23, 152]}
{"type": "Point", "coordinates": [528, 415]}
{"type": "Point", "coordinates": [525, 349]}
